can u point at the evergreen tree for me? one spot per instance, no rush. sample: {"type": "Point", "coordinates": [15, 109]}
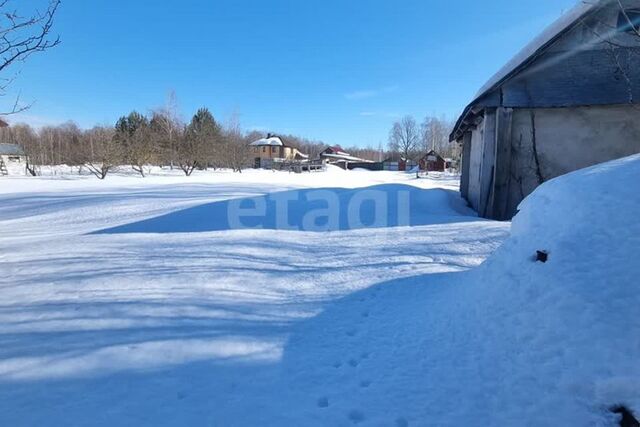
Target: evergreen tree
{"type": "Point", "coordinates": [206, 134]}
{"type": "Point", "coordinates": [133, 134]}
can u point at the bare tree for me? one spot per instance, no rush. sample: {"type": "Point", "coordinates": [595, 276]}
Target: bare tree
{"type": "Point", "coordinates": [235, 151]}
{"type": "Point", "coordinates": [24, 136]}
{"type": "Point", "coordinates": [621, 41]}
{"type": "Point", "coordinates": [20, 37]}
{"type": "Point", "coordinates": [134, 135]}
{"type": "Point", "coordinates": [435, 136]}
{"type": "Point", "coordinates": [100, 151]}
{"type": "Point", "coordinates": [404, 137]}
{"type": "Point", "coordinates": [166, 126]}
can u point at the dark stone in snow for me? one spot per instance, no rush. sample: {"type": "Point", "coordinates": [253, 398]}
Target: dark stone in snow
{"type": "Point", "coordinates": [542, 256]}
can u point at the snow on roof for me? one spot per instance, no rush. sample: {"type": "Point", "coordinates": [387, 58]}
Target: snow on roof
{"type": "Point", "coordinates": [337, 150]}
{"type": "Point", "coordinates": [271, 141]}
{"type": "Point", "coordinates": [11, 150]}
{"type": "Point", "coordinates": [345, 157]}
{"type": "Point", "coordinates": [531, 51]}
{"type": "Point", "coordinates": [541, 42]}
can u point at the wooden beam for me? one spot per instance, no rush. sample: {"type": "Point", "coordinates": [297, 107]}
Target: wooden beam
{"type": "Point", "coordinates": [502, 172]}
{"type": "Point", "coordinates": [488, 163]}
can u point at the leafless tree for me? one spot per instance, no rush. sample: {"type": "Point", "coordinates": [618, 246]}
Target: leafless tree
{"type": "Point", "coordinates": [24, 136]}
{"type": "Point", "coordinates": [235, 152]}
{"type": "Point", "coordinates": [621, 41]}
{"type": "Point", "coordinates": [166, 126]}
{"type": "Point", "coordinates": [20, 37]}
{"type": "Point", "coordinates": [404, 137]}
{"type": "Point", "coordinates": [135, 137]}
{"type": "Point", "coordinates": [100, 153]}
{"type": "Point", "coordinates": [142, 152]}
{"type": "Point", "coordinates": [435, 136]}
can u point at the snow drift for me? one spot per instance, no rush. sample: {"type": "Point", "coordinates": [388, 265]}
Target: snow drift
{"type": "Point", "coordinates": [386, 326]}
{"type": "Point", "coordinates": [512, 342]}
{"type": "Point", "coordinates": [565, 334]}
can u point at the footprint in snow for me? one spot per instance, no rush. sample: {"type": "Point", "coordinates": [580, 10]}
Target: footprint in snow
{"type": "Point", "coordinates": [365, 314]}
{"type": "Point", "coordinates": [353, 363]}
{"type": "Point", "coordinates": [364, 355]}
{"type": "Point", "coordinates": [351, 332]}
{"type": "Point", "coordinates": [356, 416]}
{"type": "Point", "coordinates": [323, 402]}
{"type": "Point", "coordinates": [402, 422]}
{"type": "Point", "coordinates": [365, 384]}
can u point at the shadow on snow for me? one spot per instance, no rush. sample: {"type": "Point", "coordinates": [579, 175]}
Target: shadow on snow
{"type": "Point", "coordinates": [328, 209]}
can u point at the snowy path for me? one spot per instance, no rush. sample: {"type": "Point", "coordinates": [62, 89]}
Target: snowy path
{"type": "Point", "coordinates": [224, 327]}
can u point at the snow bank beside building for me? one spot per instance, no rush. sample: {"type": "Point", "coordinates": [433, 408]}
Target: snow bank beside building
{"type": "Point", "coordinates": [570, 328]}
{"type": "Point", "coordinates": [512, 342]}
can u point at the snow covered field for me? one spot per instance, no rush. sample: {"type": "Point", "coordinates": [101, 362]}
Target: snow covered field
{"type": "Point", "coordinates": [131, 302]}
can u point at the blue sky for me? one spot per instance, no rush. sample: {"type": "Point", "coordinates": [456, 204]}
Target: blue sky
{"type": "Point", "coordinates": [336, 70]}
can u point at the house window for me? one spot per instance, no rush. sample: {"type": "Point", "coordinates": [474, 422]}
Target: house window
{"type": "Point", "coordinates": [264, 149]}
{"type": "Point", "coordinates": [14, 158]}
{"type": "Point", "coordinates": [629, 21]}
{"type": "Point", "coordinates": [273, 149]}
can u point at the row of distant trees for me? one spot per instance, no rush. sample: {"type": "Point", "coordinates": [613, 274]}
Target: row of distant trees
{"type": "Point", "coordinates": [412, 139]}
{"type": "Point", "coordinates": [138, 141]}
{"type": "Point", "coordinates": [161, 138]}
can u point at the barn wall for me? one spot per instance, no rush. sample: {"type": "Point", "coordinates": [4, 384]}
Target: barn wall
{"type": "Point", "coordinates": [475, 165]}
{"type": "Point", "coordinates": [567, 139]}
{"type": "Point", "coordinates": [466, 152]}
{"type": "Point", "coordinates": [488, 161]}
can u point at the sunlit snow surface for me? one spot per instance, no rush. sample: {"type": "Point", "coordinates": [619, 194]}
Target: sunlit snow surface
{"type": "Point", "coordinates": [189, 323]}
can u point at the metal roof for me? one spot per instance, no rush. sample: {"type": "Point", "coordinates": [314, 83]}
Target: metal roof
{"type": "Point", "coordinates": [11, 150]}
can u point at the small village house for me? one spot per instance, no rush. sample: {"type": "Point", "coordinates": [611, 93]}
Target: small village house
{"type": "Point", "coordinates": [397, 162]}
{"type": "Point", "coordinates": [272, 149]}
{"type": "Point", "coordinates": [335, 155]}
{"type": "Point", "coordinates": [569, 100]}
{"type": "Point", "coordinates": [13, 160]}
{"type": "Point", "coordinates": [433, 162]}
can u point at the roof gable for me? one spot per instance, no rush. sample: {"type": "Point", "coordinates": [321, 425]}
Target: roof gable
{"type": "Point", "coordinates": [528, 55]}
{"type": "Point", "coordinates": [540, 43]}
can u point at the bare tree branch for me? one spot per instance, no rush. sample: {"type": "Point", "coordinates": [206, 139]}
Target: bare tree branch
{"type": "Point", "coordinates": [20, 37]}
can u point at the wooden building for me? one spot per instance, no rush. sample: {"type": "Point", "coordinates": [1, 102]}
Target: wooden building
{"type": "Point", "coordinates": [335, 155]}
{"type": "Point", "coordinates": [13, 160]}
{"type": "Point", "coordinates": [569, 100]}
{"type": "Point", "coordinates": [397, 162]}
{"type": "Point", "coordinates": [433, 162]}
